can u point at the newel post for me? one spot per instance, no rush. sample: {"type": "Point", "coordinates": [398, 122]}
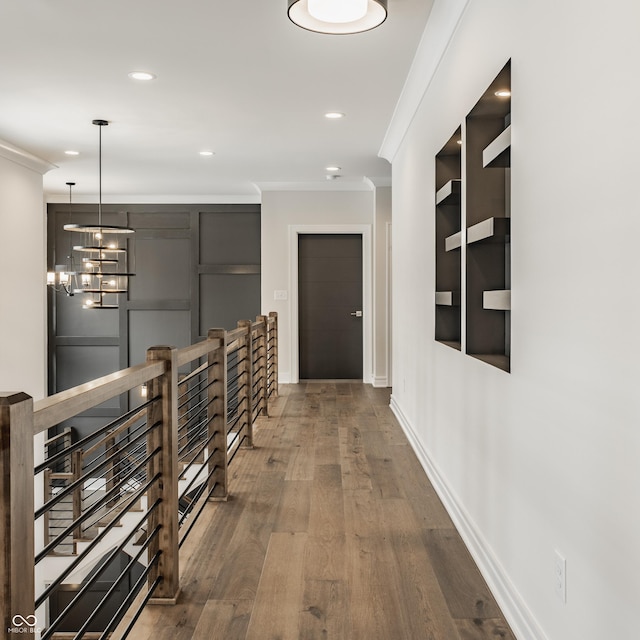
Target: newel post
{"type": "Point", "coordinates": [262, 359]}
{"type": "Point", "coordinates": [164, 413]}
{"type": "Point", "coordinates": [272, 349]}
{"type": "Point", "coordinates": [217, 416]}
{"type": "Point", "coordinates": [247, 369]}
{"type": "Point", "coordinates": [16, 510]}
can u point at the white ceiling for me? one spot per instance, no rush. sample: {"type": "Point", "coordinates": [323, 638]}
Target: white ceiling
{"type": "Point", "coordinates": [234, 77]}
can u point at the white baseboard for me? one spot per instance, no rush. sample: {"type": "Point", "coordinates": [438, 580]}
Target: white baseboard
{"type": "Point", "coordinates": [380, 381]}
{"type": "Point", "coordinates": [522, 622]}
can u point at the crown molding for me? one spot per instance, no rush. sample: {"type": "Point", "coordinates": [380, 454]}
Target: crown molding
{"type": "Point", "coordinates": [24, 158]}
{"type": "Point", "coordinates": [441, 26]}
{"type": "Point", "coordinates": [337, 184]}
{"type": "Point", "coordinates": [155, 199]}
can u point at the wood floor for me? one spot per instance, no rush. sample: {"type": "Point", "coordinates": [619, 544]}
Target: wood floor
{"type": "Point", "coordinates": [332, 532]}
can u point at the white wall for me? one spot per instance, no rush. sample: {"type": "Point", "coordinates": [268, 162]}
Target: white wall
{"type": "Point", "coordinates": [382, 287]}
{"type": "Point", "coordinates": [22, 274]}
{"type": "Point", "coordinates": [282, 210]}
{"type": "Point", "coordinates": [544, 458]}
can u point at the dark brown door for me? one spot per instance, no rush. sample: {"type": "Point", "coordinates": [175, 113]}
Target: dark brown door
{"type": "Point", "coordinates": [330, 306]}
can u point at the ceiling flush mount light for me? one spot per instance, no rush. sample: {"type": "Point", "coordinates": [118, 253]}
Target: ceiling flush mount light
{"type": "Point", "coordinates": [338, 17]}
{"type": "Point", "coordinates": [71, 152]}
{"type": "Point", "coordinates": [206, 153]}
{"type": "Point", "coordinates": [104, 273]}
{"type": "Point", "coordinates": [503, 93]}
{"type": "Point", "coordinates": [333, 115]}
{"type": "Point", "coordinates": [141, 75]}
{"type": "Point", "coordinates": [332, 168]}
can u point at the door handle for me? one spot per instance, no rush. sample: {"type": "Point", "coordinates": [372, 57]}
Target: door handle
{"type": "Point", "coordinates": [357, 314]}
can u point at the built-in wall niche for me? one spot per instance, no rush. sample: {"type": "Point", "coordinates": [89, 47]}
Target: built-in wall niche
{"type": "Point", "coordinates": [488, 224]}
{"type": "Point", "coordinates": [448, 234]}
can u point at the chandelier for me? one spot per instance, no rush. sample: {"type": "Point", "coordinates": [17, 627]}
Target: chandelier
{"type": "Point", "coordinates": [64, 276]}
{"type": "Point", "coordinates": [103, 272]}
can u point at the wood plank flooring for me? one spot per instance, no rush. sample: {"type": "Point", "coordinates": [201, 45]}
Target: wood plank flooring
{"type": "Point", "coordinates": [332, 532]}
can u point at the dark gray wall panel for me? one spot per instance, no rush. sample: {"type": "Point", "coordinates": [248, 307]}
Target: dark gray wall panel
{"type": "Point", "coordinates": [148, 328]}
{"type": "Point", "coordinates": [178, 253]}
{"type": "Point", "coordinates": [73, 320]}
{"type": "Point", "coordinates": [230, 238]}
{"type": "Point", "coordinates": [78, 364]}
{"type": "Point", "coordinates": [162, 267]}
{"type": "Point", "coordinates": [160, 220]}
{"type": "Point", "coordinates": [225, 299]}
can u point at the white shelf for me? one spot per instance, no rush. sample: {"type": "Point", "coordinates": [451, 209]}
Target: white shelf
{"type": "Point", "coordinates": [491, 230]}
{"type": "Point", "coordinates": [453, 242]}
{"type": "Point", "coordinates": [449, 193]}
{"type": "Point", "coordinates": [498, 153]}
{"type": "Point", "coordinates": [448, 298]}
{"type": "Point", "coordinates": [499, 300]}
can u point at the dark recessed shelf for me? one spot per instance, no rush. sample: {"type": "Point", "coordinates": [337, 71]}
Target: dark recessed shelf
{"type": "Point", "coordinates": [490, 230]}
{"type": "Point", "coordinates": [454, 344]}
{"type": "Point", "coordinates": [453, 241]}
{"type": "Point", "coordinates": [448, 242]}
{"type": "Point", "coordinates": [449, 193]}
{"type": "Point", "coordinates": [487, 237]}
{"type": "Point", "coordinates": [448, 298]}
{"type": "Point", "coordinates": [499, 299]}
{"type": "Point", "coordinates": [498, 152]}
{"type": "Point", "coordinates": [496, 359]}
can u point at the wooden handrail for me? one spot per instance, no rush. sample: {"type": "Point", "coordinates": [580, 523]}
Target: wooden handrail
{"type": "Point", "coordinates": [64, 405]}
{"type": "Point", "coordinates": [117, 431]}
{"type": "Point", "coordinates": [235, 334]}
{"type": "Point", "coordinates": [197, 350]}
{"type": "Point", "coordinates": [58, 436]}
{"type": "Point", "coordinates": [193, 374]}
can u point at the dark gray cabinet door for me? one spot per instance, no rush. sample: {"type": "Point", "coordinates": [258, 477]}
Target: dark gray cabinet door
{"type": "Point", "coordinates": [330, 306]}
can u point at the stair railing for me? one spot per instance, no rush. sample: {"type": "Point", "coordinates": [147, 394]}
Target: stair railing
{"type": "Point", "coordinates": [156, 467]}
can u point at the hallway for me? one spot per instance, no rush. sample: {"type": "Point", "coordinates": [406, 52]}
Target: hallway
{"type": "Point", "coordinates": [332, 531]}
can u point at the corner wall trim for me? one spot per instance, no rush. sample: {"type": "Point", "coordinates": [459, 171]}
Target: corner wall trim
{"type": "Point", "coordinates": [522, 622]}
{"type": "Point", "coordinates": [441, 25]}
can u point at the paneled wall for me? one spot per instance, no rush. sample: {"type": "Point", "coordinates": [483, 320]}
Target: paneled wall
{"type": "Point", "coordinates": [196, 267]}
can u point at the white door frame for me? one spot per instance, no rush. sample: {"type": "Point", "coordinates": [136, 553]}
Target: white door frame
{"type": "Point", "coordinates": [367, 308]}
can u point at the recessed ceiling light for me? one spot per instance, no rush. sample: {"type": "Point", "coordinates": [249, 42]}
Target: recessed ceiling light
{"type": "Point", "coordinates": [142, 75]}
{"type": "Point", "coordinates": [334, 115]}
{"type": "Point", "coordinates": [459, 141]}
{"type": "Point", "coordinates": [206, 153]}
{"type": "Point", "coordinates": [503, 93]}
{"type": "Point", "coordinates": [332, 168]}
{"type": "Point", "coordinates": [70, 152]}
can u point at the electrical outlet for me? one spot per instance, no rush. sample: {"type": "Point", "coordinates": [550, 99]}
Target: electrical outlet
{"type": "Point", "coordinates": [560, 576]}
